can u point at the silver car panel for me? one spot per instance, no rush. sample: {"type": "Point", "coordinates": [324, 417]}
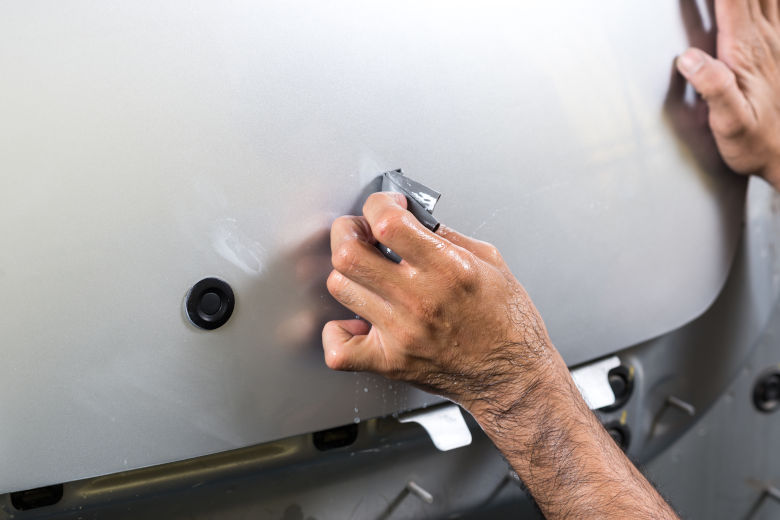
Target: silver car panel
{"type": "Point", "coordinates": [147, 145]}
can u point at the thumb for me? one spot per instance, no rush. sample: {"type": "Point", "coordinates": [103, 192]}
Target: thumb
{"type": "Point", "coordinates": [717, 84]}
{"type": "Point", "coordinates": [348, 346]}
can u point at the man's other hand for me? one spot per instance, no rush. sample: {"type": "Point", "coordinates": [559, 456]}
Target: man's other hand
{"type": "Point", "coordinates": [742, 86]}
{"type": "Point", "coordinates": [450, 318]}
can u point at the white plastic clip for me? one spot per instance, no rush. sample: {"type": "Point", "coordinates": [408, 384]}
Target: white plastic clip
{"type": "Point", "coordinates": [445, 426]}
{"type": "Point", "coordinates": [593, 382]}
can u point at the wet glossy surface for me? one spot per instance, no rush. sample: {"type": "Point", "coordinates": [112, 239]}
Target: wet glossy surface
{"type": "Point", "coordinates": [147, 145]}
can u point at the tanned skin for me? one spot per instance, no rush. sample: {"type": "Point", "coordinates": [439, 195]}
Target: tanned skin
{"type": "Point", "coordinates": [742, 86]}
{"type": "Point", "coordinates": [451, 318]}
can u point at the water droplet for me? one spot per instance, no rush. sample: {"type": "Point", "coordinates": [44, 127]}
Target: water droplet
{"type": "Point", "coordinates": [365, 389]}
{"type": "Point", "coordinates": [356, 410]}
{"type": "Point", "coordinates": [357, 420]}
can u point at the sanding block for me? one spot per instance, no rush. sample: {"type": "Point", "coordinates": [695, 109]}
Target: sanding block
{"type": "Point", "coordinates": [420, 201]}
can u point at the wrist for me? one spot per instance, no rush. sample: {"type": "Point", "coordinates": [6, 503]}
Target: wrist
{"type": "Point", "coordinates": [566, 459]}
{"type": "Point", "coordinates": [542, 389]}
{"type": "Point", "coordinates": [545, 430]}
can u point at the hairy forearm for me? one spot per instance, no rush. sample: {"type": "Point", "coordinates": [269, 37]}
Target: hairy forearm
{"type": "Point", "coordinates": [450, 318]}
{"type": "Point", "coordinates": [564, 456]}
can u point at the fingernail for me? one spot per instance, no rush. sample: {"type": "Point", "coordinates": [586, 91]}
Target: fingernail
{"type": "Point", "coordinates": [689, 62]}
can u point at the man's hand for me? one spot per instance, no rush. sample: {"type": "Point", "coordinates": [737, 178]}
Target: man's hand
{"type": "Point", "coordinates": [450, 318]}
{"type": "Point", "coordinates": [742, 86]}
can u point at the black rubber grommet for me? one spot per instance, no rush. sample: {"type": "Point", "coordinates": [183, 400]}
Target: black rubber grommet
{"type": "Point", "coordinates": [621, 380]}
{"type": "Point", "coordinates": [766, 391]}
{"type": "Point", "coordinates": [210, 303]}
{"type": "Point", "coordinates": [620, 433]}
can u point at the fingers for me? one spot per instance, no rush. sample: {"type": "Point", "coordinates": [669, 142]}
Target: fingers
{"type": "Point", "coordinates": [730, 112]}
{"type": "Point", "coordinates": [359, 299]}
{"type": "Point", "coordinates": [482, 250]}
{"type": "Point", "coordinates": [353, 254]}
{"type": "Point", "coordinates": [350, 228]}
{"type": "Point", "coordinates": [349, 346]}
{"type": "Point", "coordinates": [393, 226]}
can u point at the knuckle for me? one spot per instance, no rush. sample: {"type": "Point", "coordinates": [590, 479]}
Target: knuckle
{"type": "Point", "coordinates": [723, 82]}
{"type": "Point", "coordinates": [340, 223]}
{"type": "Point", "coordinates": [492, 254]}
{"type": "Point", "coordinates": [345, 257]}
{"type": "Point", "coordinates": [715, 81]}
{"type": "Point", "coordinates": [388, 223]}
{"type": "Point", "coordinates": [337, 360]}
{"type": "Point", "coordinates": [374, 199]}
{"type": "Point", "coordinates": [336, 284]}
